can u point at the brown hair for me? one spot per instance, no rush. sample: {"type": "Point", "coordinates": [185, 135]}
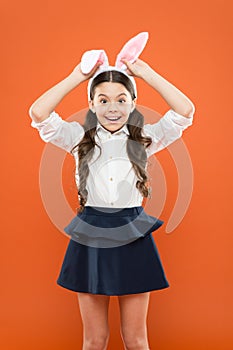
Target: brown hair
{"type": "Point", "coordinates": [135, 150]}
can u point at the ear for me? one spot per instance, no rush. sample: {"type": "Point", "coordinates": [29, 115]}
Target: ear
{"type": "Point", "coordinates": [90, 58]}
{"type": "Point", "coordinates": [132, 49]}
{"type": "Point", "coordinates": [91, 106]}
{"type": "Point", "coordinates": [133, 105]}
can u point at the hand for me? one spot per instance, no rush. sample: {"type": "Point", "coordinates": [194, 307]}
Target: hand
{"type": "Point", "coordinates": [77, 73]}
{"type": "Point", "coordinates": [138, 69]}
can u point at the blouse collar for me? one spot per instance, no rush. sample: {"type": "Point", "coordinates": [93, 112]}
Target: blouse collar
{"type": "Point", "coordinates": [100, 130]}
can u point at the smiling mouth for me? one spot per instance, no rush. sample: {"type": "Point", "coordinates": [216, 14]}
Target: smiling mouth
{"type": "Point", "coordinates": [113, 119]}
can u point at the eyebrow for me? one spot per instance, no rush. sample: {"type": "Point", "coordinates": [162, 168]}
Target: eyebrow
{"type": "Point", "coordinates": [117, 95]}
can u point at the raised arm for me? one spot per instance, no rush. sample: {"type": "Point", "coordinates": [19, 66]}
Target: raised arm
{"type": "Point", "coordinates": [47, 102]}
{"type": "Point", "coordinates": [175, 98]}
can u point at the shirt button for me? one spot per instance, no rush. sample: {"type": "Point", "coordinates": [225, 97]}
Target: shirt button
{"type": "Point", "coordinates": [110, 157]}
{"type": "Point", "coordinates": [111, 179]}
{"type": "Point", "coordinates": [111, 203]}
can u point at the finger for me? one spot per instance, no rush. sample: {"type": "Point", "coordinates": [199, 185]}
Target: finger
{"type": "Point", "coordinates": [99, 62]}
{"type": "Point", "coordinates": [128, 72]}
{"type": "Point", "coordinates": [125, 62]}
{"type": "Point", "coordinates": [96, 66]}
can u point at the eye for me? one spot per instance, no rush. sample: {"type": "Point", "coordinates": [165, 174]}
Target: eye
{"type": "Point", "coordinates": [103, 100]}
{"type": "Point", "coordinates": [121, 100]}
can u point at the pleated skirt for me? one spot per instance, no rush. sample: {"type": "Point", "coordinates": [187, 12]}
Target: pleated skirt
{"type": "Point", "coordinates": [112, 252]}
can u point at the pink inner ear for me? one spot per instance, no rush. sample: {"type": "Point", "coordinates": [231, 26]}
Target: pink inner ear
{"type": "Point", "coordinates": [132, 49]}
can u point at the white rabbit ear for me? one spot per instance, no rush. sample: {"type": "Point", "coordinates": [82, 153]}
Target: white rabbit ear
{"type": "Point", "coordinates": [132, 49]}
{"type": "Point", "coordinates": [90, 58]}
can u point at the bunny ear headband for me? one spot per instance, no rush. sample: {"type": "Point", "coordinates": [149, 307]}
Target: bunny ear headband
{"type": "Point", "coordinates": [131, 51]}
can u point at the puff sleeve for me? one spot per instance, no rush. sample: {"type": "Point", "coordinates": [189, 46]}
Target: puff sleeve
{"type": "Point", "coordinates": [59, 132]}
{"type": "Point", "coordinates": [167, 130]}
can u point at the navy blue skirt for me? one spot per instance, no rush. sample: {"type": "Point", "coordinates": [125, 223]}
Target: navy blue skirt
{"type": "Point", "coordinates": [112, 252]}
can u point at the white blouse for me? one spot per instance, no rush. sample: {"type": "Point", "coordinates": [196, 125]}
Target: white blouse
{"type": "Point", "coordinates": [111, 181]}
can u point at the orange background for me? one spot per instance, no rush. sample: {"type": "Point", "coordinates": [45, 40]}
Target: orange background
{"type": "Point", "coordinates": [190, 45]}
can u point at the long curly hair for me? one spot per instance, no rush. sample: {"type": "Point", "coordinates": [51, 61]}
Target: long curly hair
{"type": "Point", "coordinates": [135, 150]}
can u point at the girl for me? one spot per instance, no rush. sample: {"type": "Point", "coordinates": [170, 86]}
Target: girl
{"type": "Point", "coordinates": [111, 250]}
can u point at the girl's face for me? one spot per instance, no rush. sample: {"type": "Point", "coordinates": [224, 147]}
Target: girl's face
{"type": "Point", "coordinates": [112, 104]}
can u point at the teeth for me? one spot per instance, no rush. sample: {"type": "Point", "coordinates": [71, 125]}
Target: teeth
{"type": "Point", "coordinates": [113, 118]}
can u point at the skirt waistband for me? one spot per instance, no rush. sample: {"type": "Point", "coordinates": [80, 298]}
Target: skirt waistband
{"type": "Point", "coordinates": [107, 211]}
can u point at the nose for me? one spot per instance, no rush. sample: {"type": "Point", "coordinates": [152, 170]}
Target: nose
{"type": "Point", "coordinates": [112, 107]}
